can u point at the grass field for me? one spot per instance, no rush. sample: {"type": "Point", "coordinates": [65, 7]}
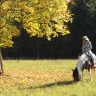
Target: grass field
{"type": "Point", "coordinates": [43, 78]}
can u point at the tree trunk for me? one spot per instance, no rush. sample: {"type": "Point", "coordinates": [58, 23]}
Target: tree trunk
{"type": "Point", "coordinates": [1, 64]}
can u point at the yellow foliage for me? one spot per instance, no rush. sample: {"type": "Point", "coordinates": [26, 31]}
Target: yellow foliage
{"type": "Point", "coordinates": [2, 22]}
{"type": "Point", "coordinates": [42, 13]}
{"type": "Point", "coordinates": [55, 35]}
{"type": "Point", "coordinates": [40, 34]}
{"type": "Point", "coordinates": [6, 5]}
{"type": "Point", "coordinates": [39, 18]}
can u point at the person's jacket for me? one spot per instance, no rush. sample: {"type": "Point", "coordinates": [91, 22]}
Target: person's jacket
{"type": "Point", "coordinates": [86, 47]}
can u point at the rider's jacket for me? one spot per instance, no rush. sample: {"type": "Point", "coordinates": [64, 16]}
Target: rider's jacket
{"type": "Point", "coordinates": [86, 47]}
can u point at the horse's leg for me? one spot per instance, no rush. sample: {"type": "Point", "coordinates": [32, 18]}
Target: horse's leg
{"type": "Point", "coordinates": [94, 70]}
{"type": "Point", "coordinates": [90, 74]}
{"type": "Point", "coordinates": [83, 75]}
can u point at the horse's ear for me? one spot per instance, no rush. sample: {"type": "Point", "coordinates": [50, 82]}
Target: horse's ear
{"type": "Point", "coordinates": [72, 69]}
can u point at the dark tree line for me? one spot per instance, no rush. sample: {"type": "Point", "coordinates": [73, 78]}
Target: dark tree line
{"type": "Point", "coordinates": [84, 22]}
{"type": "Point", "coordinates": [26, 47]}
{"type": "Point", "coordinates": [68, 46]}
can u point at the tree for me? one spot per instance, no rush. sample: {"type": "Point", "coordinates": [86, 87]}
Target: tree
{"type": "Point", "coordinates": [84, 22]}
{"type": "Point", "coordinates": [7, 29]}
{"type": "Point", "coordinates": [41, 18]}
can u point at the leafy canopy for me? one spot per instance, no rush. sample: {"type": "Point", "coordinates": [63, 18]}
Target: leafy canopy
{"type": "Point", "coordinates": [41, 18]}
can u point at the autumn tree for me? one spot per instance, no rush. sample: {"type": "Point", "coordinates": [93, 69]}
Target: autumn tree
{"type": "Point", "coordinates": [41, 18]}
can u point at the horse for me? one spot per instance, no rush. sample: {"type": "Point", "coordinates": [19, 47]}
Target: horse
{"type": "Point", "coordinates": [83, 63]}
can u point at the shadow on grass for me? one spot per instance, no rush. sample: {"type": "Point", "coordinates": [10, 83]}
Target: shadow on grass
{"type": "Point", "coordinates": [51, 85]}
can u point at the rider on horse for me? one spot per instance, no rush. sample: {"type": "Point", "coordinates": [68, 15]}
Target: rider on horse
{"type": "Point", "coordinates": [86, 48]}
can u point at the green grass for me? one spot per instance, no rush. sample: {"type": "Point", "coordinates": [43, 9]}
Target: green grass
{"type": "Point", "coordinates": [43, 78]}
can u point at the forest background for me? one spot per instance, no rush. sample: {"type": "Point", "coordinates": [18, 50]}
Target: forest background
{"type": "Point", "coordinates": [68, 46]}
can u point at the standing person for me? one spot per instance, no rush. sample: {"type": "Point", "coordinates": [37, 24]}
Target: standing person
{"type": "Point", "coordinates": [87, 47]}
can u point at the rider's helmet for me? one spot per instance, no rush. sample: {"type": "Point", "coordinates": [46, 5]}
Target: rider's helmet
{"type": "Point", "coordinates": [86, 38]}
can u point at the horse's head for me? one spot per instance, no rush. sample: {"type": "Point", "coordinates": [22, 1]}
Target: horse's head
{"type": "Point", "coordinates": [76, 75]}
